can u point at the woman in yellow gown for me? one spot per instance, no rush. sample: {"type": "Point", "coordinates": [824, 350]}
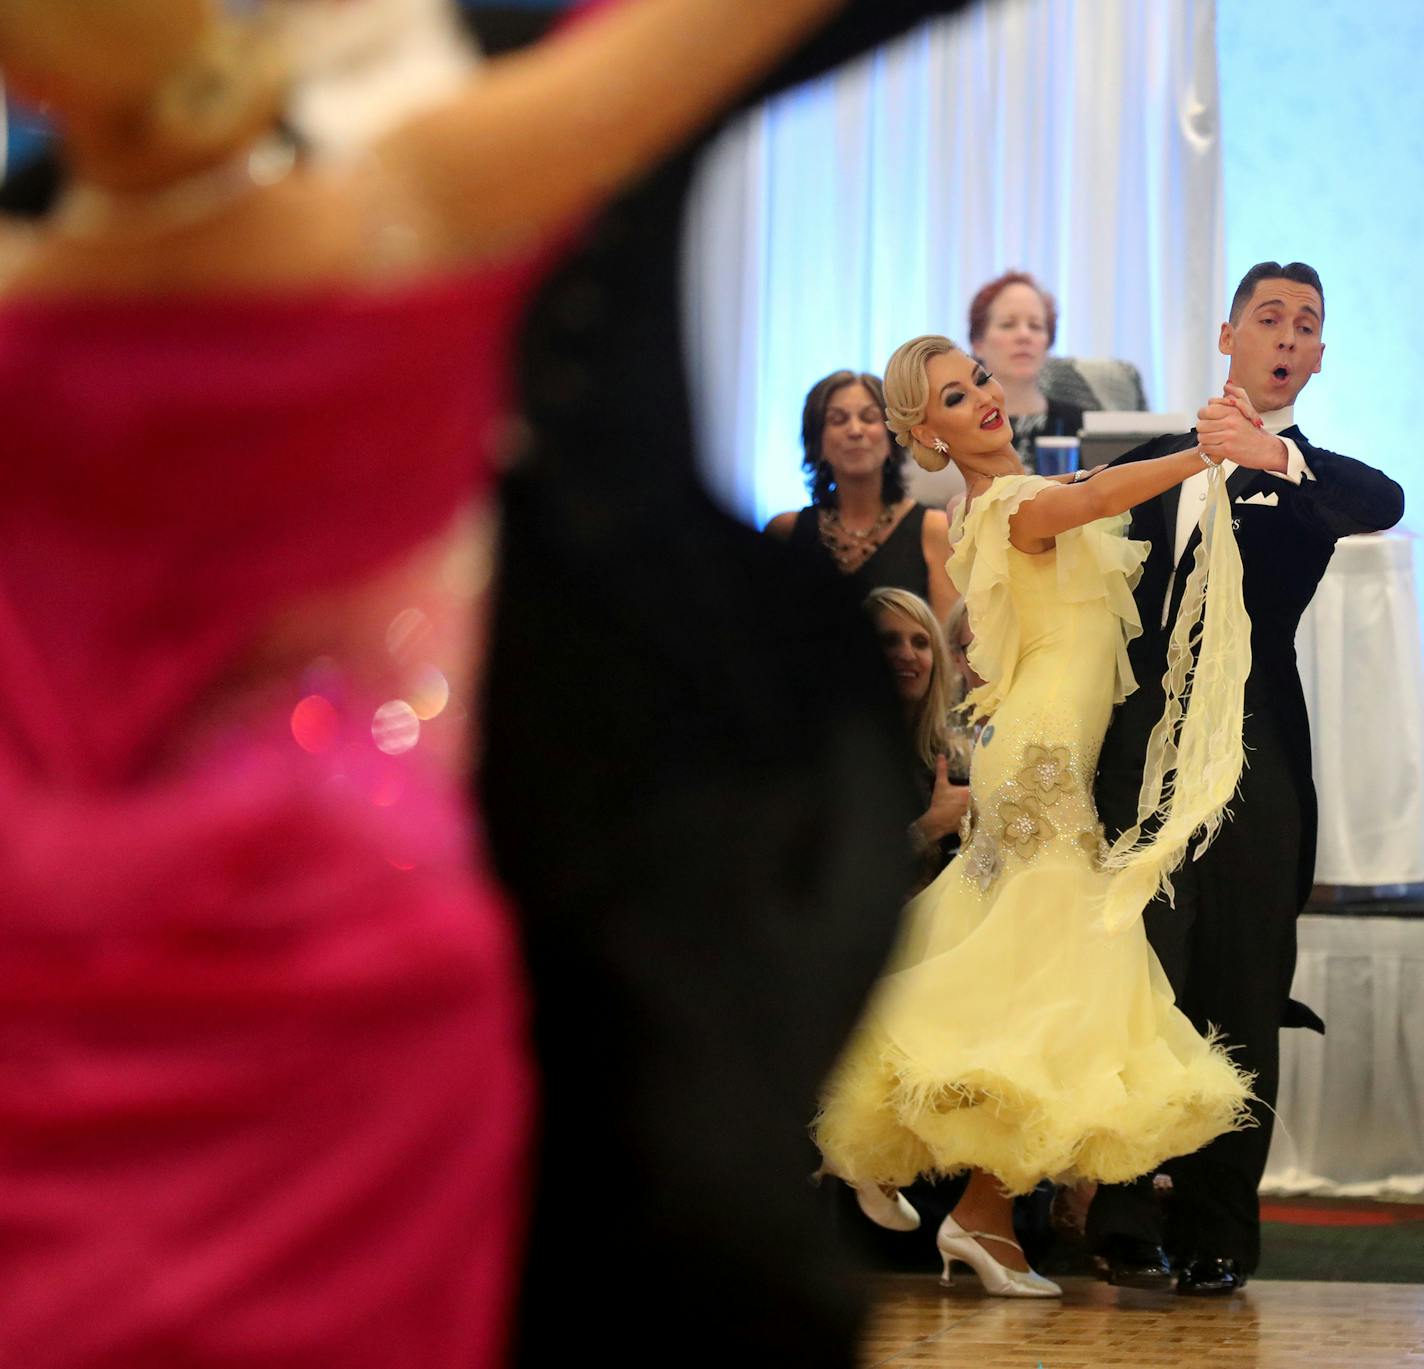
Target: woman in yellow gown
{"type": "Point", "coordinates": [1024, 1029]}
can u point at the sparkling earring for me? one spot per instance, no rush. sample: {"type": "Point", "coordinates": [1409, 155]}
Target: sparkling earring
{"type": "Point", "coordinates": [941, 446]}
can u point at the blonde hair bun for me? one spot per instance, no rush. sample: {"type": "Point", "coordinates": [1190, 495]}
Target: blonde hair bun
{"type": "Point", "coordinates": [907, 394]}
{"type": "Point", "coordinates": [229, 87]}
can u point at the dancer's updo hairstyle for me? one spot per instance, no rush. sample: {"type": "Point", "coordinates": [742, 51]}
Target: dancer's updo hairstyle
{"type": "Point", "coordinates": [231, 85]}
{"type": "Point", "coordinates": [907, 394]}
{"type": "Point", "coordinates": [178, 82]}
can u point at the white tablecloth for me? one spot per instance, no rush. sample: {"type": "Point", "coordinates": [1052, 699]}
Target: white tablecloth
{"type": "Point", "coordinates": [1350, 1117]}
{"type": "Point", "coordinates": [1362, 667]}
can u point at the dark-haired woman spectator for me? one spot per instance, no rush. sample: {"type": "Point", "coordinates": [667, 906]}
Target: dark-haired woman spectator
{"type": "Point", "coordinates": [1013, 321]}
{"type": "Point", "coordinates": [860, 515]}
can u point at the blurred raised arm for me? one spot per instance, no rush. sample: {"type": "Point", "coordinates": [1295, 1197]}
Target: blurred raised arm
{"type": "Point", "coordinates": [546, 133]}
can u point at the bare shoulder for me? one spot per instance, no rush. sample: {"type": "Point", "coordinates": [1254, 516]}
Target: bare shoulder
{"type": "Point", "coordinates": [936, 527]}
{"type": "Point", "coordinates": [782, 524]}
{"type": "Point", "coordinates": [17, 246]}
{"type": "Point", "coordinates": [328, 227]}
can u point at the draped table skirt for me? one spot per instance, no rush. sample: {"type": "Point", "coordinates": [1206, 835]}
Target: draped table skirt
{"type": "Point", "coordinates": [1362, 667]}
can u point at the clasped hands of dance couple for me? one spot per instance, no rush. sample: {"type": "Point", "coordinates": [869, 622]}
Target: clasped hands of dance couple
{"type": "Point", "coordinates": [1015, 1033]}
{"type": "Point", "coordinates": [1230, 429]}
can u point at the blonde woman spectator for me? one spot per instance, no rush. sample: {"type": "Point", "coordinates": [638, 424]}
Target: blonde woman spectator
{"type": "Point", "coordinates": [926, 681]}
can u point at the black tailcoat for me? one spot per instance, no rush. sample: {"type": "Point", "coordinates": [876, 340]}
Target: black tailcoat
{"type": "Point", "coordinates": [1229, 945]}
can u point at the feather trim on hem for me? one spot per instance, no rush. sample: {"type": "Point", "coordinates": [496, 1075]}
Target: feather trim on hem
{"type": "Point", "coordinates": [883, 1122]}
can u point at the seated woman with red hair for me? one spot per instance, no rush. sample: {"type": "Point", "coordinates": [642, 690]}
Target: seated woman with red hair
{"type": "Point", "coordinates": [1013, 322]}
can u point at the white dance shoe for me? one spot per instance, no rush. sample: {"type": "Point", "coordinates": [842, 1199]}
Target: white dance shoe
{"type": "Point", "coordinates": [955, 1243]}
{"type": "Point", "coordinates": [891, 1210]}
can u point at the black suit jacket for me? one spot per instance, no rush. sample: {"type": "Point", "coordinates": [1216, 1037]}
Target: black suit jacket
{"type": "Point", "coordinates": [1285, 549]}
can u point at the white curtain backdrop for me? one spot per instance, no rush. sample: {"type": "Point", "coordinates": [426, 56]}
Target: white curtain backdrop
{"type": "Point", "coordinates": [1076, 139]}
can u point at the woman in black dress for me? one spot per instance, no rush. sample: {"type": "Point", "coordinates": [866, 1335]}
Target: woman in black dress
{"type": "Point", "coordinates": [860, 516]}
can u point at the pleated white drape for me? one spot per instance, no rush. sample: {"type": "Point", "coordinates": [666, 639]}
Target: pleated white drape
{"type": "Point", "coordinates": [1074, 138]}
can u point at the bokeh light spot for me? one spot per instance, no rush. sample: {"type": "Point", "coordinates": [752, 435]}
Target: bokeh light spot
{"type": "Point", "coordinates": [388, 789]}
{"type": "Point", "coordinates": [429, 693]}
{"type": "Point", "coordinates": [315, 724]}
{"type": "Point", "coordinates": [395, 728]}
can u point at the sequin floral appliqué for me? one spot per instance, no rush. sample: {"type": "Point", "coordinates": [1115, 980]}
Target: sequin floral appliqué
{"type": "Point", "coordinates": [1017, 820]}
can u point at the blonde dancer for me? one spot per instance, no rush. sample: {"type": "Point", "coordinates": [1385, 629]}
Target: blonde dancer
{"type": "Point", "coordinates": [1024, 1028]}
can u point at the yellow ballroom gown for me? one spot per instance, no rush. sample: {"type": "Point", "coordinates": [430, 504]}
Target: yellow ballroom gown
{"type": "Point", "coordinates": [1024, 1025]}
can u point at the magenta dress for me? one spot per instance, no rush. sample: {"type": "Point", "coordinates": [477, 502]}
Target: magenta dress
{"type": "Point", "coordinates": [264, 1085]}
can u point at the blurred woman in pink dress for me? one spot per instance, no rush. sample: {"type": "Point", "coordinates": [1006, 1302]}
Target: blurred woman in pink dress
{"type": "Point", "coordinates": [265, 1094]}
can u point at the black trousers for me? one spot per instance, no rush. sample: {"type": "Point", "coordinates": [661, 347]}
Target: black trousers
{"type": "Point", "coordinates": [1229, 950]}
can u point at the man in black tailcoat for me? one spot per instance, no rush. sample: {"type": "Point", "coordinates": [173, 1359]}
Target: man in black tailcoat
{"type": "Point", "coordinates": [1229, 945]}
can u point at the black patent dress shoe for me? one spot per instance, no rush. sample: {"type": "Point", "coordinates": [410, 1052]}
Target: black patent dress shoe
{"type": "Point", "coordinates": [1210, 1277]}
{"type": "Point", "coordinates": [1130, 1262]}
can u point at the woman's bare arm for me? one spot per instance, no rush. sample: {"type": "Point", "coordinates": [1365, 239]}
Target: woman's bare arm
{"type": "Point", "coordinates": [934, 543]}
{"type": "Point", "coordinates": [543, 135]}
{"type": "Point", "coordinates": [1061, 507]}
{"type": "Point", "coordinates": [1075, 477]}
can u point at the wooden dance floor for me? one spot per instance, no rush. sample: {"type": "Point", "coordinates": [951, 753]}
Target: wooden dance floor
{"type": "Point", "coordinates": [1269, 1325]}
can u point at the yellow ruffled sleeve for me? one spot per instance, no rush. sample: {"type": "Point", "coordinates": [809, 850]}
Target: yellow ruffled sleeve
{"type": "Point", "coordinates": [1094, 562]}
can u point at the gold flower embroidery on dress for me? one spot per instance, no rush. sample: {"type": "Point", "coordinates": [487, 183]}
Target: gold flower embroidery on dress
{"type": "Point", "coordinates": [1094, 842]}
{"type": "Point", "coordinates": [984, 859]}
{"type": "Point", "coordinates": [1025, 825]}
{"type": "Point", "coordinates": [1019, 822]}
{"type": "Point", "coordinates": [1046, 773]}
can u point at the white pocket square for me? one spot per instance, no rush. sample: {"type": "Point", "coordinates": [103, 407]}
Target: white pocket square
{"type": "Point", "coordinates": [1268, 501]}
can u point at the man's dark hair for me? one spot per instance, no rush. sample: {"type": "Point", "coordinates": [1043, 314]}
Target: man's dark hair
{"type": "Point", "coordinates": [1296, 271]}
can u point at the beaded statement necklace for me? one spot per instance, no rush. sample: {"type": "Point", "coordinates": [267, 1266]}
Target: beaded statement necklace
{"type": "Point", "coordinates": [851, 548]}
{"type": "Point", "coordinates": [86, 211]}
